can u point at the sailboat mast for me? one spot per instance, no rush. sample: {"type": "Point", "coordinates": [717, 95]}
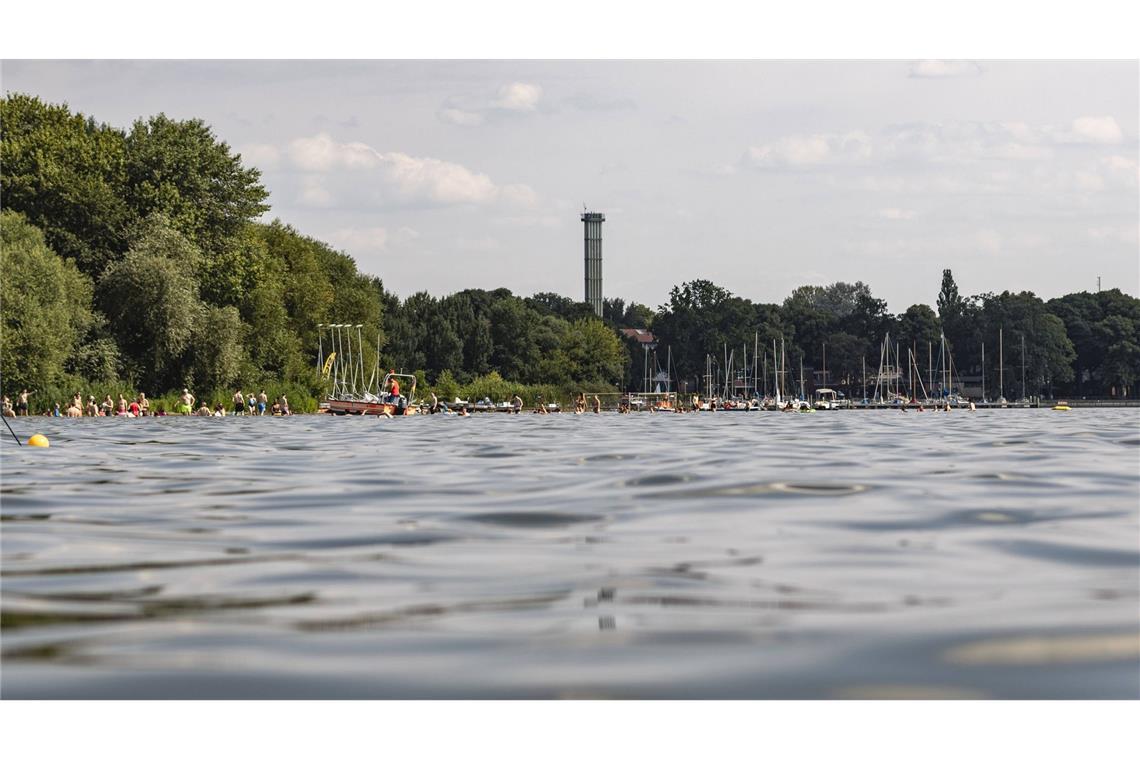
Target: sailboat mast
{"type": "Point", "coordinates": [929, 368]}
{"type": "Point", "coordinates": [898, 375]}
{"type": "Point", "coordinates": [1023, 366]}
{"type": "Point", "coordinates": [983, 371]}
{"type": "Point", "coordinates": [765, 373]}
{"type": "Point", "coordinates": [1001, 368]}
{"type": "Point", "coordinates": [756, 362]}
{"type": "Point", "coordinates": [776, 370]}
{"type": "Point", "coordinates": [360, 356]}
{"type": "Point", "coordinates": [942, 361]}
{"type": "Point", "coordinates": [744, 367]}
{"type": "Point", "coordinates": [320, 349]}
{"type": "Point", "coordinates": [783, 364]}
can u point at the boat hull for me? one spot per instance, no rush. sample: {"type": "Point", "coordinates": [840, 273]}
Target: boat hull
{"type": "Point", "coordinates": [346, 406]}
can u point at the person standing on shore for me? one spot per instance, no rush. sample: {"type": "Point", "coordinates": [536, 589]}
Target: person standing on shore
{"type": "Point", "coordinates": [251, 405]}
{"type": "Point", "coordinates": [77, 402]}
{"type": "Point", "coordinates": [262, 400]}
{"type": "Point", "coordinates": [107, 407]}
{"type": "Point", "coordinates": [597, 405]}
{"type": "Point", "coordinates": [122, 404]}
{"type": "Point", "coordinates": [8, 411]}
{"type": "Point", "coordinates": [144, 405]}
{"type": "Point", "coordinates": [185, 402]}
{"type": "Point", "coordinates": [285, 402]}
{"type": "Point", "coordinates": [92, 407]}
{"type": "Point", "coordinates": [239, 402]}
{"type": "Point", "coordinates": [517, 403]}
{"type": "Point", "coordinates": [22, 403]}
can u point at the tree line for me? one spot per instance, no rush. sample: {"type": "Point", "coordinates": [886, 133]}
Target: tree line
{"type": "Point", "coordinates": [137, 259]}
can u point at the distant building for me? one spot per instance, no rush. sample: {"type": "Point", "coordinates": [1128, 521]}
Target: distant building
{"type": "Point", "coordinates": [593, 230]}
{"type": "Point", "coordinates": [641, 336]}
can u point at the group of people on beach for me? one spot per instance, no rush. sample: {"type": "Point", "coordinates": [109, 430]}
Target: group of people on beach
{"type": "Point", "coordinates": [141, 407]}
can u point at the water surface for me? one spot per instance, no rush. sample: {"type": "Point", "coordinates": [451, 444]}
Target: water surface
{"type": "Point", "coordinates": [730, 555]}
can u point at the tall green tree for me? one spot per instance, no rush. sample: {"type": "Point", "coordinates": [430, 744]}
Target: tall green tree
{"type": "Point", "coordinates": [151, 299]}
{"type": "Point", "coordinates": [67, 174]}
{"type": "Point", "coordinates": [180, 169]}
{"type": "Point", "coordinates": [47, 307]}
{"type": "Point", "coordinates": [595, 353]}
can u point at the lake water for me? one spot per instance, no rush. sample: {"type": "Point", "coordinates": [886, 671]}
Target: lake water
{"type": "Point", "coordinates": [729, 555]}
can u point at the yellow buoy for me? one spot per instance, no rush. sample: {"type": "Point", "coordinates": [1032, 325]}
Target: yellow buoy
{"type": "Point", "coordinates": [38, 440]}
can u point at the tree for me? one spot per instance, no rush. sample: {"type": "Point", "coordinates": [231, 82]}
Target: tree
{"type": "Point", "coordinates": [218, 355]}
{"type": "Point", "coordinates": [918, 326]}
{"type": "Point", "coordinates": [47, 307]}
{"type": "Point", "coordinates": [595, 353]}
{"type": "Point", "coordinates": [1048, 351]}
{"type": "Point", "coordinates": [180, 169]}
{"type": "Point", "coordinates": [1121, 366]}
{"type": "Point", "coordinates": [151, 298]}
{"type": "Point", "coordinates": [1100, 324]}
{"type": "Point", "coordinates": [949, 302]}
{"type": "Point", "coordinates": [297, 262]}
{"type": "Point", "coordinates": [512, 328]}
{"type": "Point", "coordinates": [67, 175]}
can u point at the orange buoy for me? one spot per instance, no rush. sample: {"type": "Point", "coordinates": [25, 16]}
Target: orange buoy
{"type": "Point", "coordinates": [39, 440]}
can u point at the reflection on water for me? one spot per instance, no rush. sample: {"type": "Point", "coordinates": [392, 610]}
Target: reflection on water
{"type": "Point", "coordinates": [845, 555]}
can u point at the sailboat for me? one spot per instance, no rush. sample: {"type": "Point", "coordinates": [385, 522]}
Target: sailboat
{"type": "Point", "coordinates": [350, 393]}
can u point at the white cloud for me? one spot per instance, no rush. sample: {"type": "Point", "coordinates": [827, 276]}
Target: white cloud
{"type": "Point", "coordinates": [519, 195]}
{"type": "Point", "coordinates": [369, 240]}
{"type": "Point", "coordinates": [460, 117]}
{"type": "Point", "coordinates": [366, 239]}
{"type": "Point", "coordinates": [322, 153]}
{"type": "Point", "coordinates": [513, 99]}
{"type": "Point", "coordinates": [896, 213]}
{"type": "Point", "coordinates": [1122, 169]}
{"type": "Point", "coordinates": [968, 141]}
{"type": "Point", "coordinates": [411, 177]}
{"type": "Point", "coordinates": [1097, 129]}
{"type": "Point", "coordinates": [314, 193]}
{"type": "Point", "coordinates": [518, 96]}
{"type": "Point", "coordinates": [438, 180]}
{"type": "Point", "coordinates": [942, 69]}
{"type": "Point", "coordinates": [260, 155]}
{"type": "Point", "coordinates": [811, 150]}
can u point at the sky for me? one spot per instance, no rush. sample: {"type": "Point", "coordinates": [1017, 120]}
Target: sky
{"type": "Point", "coordinates": [760, 176]}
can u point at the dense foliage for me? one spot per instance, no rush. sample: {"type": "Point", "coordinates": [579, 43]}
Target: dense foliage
{"type": "Point", "coordinates": [137, 260]}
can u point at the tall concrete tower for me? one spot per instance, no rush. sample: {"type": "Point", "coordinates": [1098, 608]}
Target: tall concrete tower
{"type": "Point", "coordinates": [593, 224]}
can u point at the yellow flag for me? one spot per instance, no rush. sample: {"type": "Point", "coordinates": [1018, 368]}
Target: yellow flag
{"type": "Point", "coordinates": [328, 365]}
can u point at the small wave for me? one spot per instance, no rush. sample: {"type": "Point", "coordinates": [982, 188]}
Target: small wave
{"type": "Point", "coordinates": [532, 519]}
